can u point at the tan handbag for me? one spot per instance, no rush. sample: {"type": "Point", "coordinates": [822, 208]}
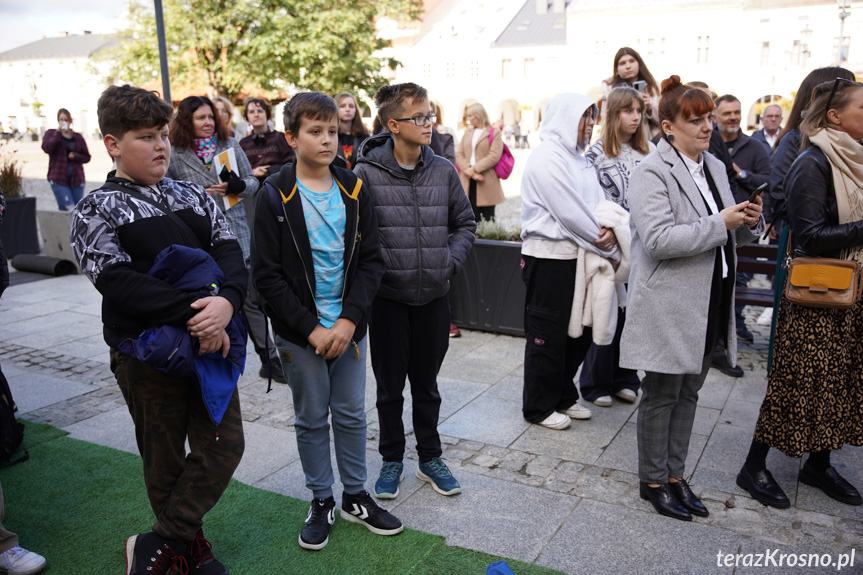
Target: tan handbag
{"type": "Point", "coordinates": [822, 282]}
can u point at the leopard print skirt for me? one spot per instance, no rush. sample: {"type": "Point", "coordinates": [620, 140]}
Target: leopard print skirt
{"type": "Point", "coordinates": [814, 395]}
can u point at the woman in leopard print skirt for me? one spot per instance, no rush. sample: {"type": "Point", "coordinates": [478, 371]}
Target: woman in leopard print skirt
{"type": "Point", "coordinates": [814, 396]}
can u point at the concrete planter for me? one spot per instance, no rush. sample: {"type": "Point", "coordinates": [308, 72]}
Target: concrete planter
{"type": "Point", "coordinates": [488, 293]}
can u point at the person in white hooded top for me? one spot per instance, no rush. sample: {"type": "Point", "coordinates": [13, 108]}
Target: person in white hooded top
{"type": "Point", "coordinates": [559, 192]}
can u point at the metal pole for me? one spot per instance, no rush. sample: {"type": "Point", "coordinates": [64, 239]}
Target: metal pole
{"type": "Point", "coordinates": [843, 14]}
{"type": "Point", "coordinates": [163, 52]}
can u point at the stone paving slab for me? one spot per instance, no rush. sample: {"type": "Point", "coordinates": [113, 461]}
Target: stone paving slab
{"type": "Point", "coordinates": [491, 515]}
{"type": "Point", "coordinates": [602, 538]}
{"type": "Point", "coordinates": [112, 429]}
{"type": "Point", "coordinates": [33, 391]}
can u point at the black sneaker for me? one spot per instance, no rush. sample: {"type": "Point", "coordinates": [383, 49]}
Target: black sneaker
{"type": "Point", "coordinates": [202, 560]}
{"type": "Point", "coordinates": [362, 509]}
{"type": "Point", "coordinates": [274, 372]}
{"type": "Point", "coordinates": [316, 530]}
{"type": "Point", "coordinates": [151, 554]}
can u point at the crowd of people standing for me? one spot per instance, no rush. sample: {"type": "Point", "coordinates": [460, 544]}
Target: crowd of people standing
{"type": "Point", "coordinates": [346, 242]}
{"type": "Point", "coordinates": [691, 197]}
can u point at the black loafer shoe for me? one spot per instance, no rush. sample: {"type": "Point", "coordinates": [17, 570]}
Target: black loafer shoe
{"type": "Point", "coordinates": [830, 482]}
{"type": "Point", "coordinates": [685, 495]}
{"type": "Point", "coordinates": [762, 487]}
{"type": "Point", "coordinates": [721, 363]}
{"type": "Point", "coordinates": [664, 501]}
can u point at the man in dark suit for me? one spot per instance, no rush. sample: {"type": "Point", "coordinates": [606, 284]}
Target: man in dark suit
{"type": "Point", "coordinates": [771, 119]}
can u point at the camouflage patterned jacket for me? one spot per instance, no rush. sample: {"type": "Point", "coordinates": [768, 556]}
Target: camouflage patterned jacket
{"type": "Point", "coordinates": [116, 237]}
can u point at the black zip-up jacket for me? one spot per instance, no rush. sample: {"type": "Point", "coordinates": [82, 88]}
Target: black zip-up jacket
{"type": "Point", "coordinates": [812, 211]}
{"type": "Point", "coordinates": [425, 219]}
{"type": "Point", "coordinates": [282, 265]}
{"type": "Point", "coordinates": [116, 237]}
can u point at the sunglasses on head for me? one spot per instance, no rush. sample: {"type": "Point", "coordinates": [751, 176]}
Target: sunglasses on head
{"type": "Point", "coordinates": [836, 84]}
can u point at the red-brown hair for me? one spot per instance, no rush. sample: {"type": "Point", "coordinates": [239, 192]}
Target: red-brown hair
{"type": "Point", "coordinates": [682, 100]}
{"type": "Point", "coordinates": [182, 130]}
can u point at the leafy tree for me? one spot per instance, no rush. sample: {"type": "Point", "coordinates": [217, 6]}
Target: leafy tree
{"type": "Point", "coordinates": [325, 45]}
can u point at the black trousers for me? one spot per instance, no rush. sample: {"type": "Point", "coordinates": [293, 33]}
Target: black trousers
{"type": "Point", "coordinates": [551, 357]}
{"type": "Point", "coordinates": [485, 212]}
{"type": "Point", "coordinates": [601, 373]}
{"type": "Point", "coordinates": [408, 341]}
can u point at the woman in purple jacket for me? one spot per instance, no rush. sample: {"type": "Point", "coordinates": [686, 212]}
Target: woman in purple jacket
{"type": "Point", "coordinates": [67, 153]}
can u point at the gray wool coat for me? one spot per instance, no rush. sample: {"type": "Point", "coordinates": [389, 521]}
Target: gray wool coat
{"type": "Point", "coordinates": [672, 254]}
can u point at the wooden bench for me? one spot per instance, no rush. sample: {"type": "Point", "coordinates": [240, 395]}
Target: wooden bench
{"type": "Point", "coordinates": [756, 259]}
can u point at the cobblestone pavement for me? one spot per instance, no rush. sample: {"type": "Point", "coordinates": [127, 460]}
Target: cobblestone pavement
{"type": "Point", "coordinates": [567, 499]}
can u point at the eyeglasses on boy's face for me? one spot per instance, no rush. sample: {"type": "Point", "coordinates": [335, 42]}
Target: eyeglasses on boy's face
{"type": "Point", "coordinates": [419, 120]}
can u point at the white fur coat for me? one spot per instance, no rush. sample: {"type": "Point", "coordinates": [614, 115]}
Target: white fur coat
{"type": "Point", "coordinates": [599, 288]}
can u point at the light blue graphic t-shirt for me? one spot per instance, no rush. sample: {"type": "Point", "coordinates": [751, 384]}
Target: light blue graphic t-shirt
{"type": "Point", "coordinates": [325, 222]}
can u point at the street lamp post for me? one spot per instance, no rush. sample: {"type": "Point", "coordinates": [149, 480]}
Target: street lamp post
{"type": "Point", "coordinates": [805, 35]}
{"type": "Point", "coordinates": [163, 52]}
{"type": "Point", "coordinates": [843, 14]}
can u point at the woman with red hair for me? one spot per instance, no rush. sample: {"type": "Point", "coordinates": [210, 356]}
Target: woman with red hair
{"type": "Point", "coordinates": [686, 227]}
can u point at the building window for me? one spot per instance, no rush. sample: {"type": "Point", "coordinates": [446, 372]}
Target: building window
{"type": "Point", "coordinates": [841, 53]}
{"type": "Point", "coordinates": [765, 54]}
{"type": "Point", "coordinates": [427, 70]}
{"type": "Point", "coordinates": [505, 69]}
{"type": "Point", "coordinates": [702, 56]}
{"type": "Point", "coordinates": [796, 52]}
{"type": "Point", "coordinates": [474, 68]}
{"type": "Point", "coordinates": [529, 67]}
{"type": "Point", "coordinates": [450, 69]}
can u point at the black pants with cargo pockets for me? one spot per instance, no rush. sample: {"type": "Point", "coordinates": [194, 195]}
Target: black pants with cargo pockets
{"type": "Point", "coordinates": [551, 357]}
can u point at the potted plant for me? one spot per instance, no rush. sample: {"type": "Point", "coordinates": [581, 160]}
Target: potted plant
{"type": "Point", "coordinates": [488, 293]}
{"type": "Point", "coordinates": [18, 231]}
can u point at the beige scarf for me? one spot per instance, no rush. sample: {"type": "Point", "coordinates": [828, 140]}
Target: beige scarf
{"type": "Point", "coordinates": [846, 160]}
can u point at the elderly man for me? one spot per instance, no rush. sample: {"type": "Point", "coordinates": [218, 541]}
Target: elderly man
{"type": "Point", "coordinates": [771, 119]}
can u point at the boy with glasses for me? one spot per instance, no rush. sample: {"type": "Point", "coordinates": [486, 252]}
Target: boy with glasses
{"type": "Point", "coordinates": [427, 230]}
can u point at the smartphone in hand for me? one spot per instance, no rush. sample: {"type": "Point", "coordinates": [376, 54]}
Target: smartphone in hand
{"type": "Point", "coordinates": [758, 191]}
{"type": "Point", "coordinates": [640, 85]}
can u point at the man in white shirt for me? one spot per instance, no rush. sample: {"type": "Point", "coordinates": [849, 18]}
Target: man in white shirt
{"type": "Point", "coordinates": [771, 119]}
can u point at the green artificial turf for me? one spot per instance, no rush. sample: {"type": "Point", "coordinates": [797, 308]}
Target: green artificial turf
{"type": "Point", "coordinates": [75, 503]}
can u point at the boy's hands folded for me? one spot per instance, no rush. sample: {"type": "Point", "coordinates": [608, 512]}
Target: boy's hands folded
{"type": "Point", "coordinates": [331, 343]}
{"type": "Point", "coordinates": [214, 316]}
{"type": "Point", "coordinates": [212, 344]}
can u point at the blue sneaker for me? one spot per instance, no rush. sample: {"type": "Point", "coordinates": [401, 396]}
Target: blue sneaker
{"type": "Point", "coordinates": [387, 485]}
{"type": "Point", "coordinates": [437, 473]}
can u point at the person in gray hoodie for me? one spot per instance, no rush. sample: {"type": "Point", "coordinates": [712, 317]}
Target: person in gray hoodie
{"type": "Point", "coordinates": [426, 230]}
{"type": "Point", "coordinates": [559, 193]}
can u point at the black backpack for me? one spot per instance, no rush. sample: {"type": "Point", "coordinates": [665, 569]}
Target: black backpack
{"type": "Point", "coordinates": [11, 431]}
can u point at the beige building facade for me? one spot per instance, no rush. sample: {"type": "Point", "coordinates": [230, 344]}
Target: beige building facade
{"type": "Point", "coordinates": [513, 56]}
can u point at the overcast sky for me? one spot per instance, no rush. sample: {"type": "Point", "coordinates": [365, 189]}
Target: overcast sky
{"type": "Point", "coordinates": [26, 21]}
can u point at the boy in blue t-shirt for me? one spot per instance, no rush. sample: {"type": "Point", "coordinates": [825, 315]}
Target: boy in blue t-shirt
{"type": "Point", "coordinates": [317, 264]}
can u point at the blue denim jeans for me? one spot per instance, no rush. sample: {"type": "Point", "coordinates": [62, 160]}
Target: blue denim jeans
{"type": "Point", "coordinates": [67, 197]}
{"type": "Point", "coordinates": [320, 386]}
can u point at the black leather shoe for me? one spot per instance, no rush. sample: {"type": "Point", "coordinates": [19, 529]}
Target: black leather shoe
{"type": "Point", "coordinates": [762, 487]}
{"type": "Point", "coordinates": [685, 495]}
{"type": "Point", "coordinates": [744, 334]}
{"type": "Point", "coordinates": [664, 501]}
{"type": "Point", "coordinates": [830, 482]}
{"type": "Point", "coordinates": [721, 363]}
